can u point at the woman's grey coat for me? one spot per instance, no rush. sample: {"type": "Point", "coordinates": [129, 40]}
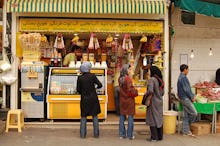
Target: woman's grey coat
{"type": "Point", "coordinates": [155, 110]}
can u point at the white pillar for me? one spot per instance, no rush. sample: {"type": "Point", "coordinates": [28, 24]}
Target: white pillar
{"type": "Point", "coordinates": [14, 71]}
{"type": "Point", "coordinates": [166, 61]}
{"type": "Point", "coordinates": [4, 44]}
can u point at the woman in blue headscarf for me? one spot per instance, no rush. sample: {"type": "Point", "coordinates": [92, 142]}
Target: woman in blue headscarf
{"type": "Point", "coordinates": [89, 104]}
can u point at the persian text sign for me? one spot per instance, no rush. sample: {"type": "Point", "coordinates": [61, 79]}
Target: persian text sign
{"type": "Point", "coordinates": [76, 25]}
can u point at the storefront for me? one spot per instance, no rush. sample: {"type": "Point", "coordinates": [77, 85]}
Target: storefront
{"type": "Point", "coordinates": [110, 32]}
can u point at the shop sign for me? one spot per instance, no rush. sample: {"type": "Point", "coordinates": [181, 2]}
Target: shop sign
{"type": "Point", "coordinates": [79, 25]}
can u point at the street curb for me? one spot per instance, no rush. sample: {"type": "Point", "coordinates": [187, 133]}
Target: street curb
{"type": "Point", "coordinates": [102, 125]}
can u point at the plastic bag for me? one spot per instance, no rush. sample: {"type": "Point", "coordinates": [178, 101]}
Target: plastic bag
{"type": "Point", "coordinates": [8, 79]}
{"type": "Point", "coordinates": [4, 66]}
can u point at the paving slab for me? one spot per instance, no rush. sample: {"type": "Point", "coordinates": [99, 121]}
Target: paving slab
{"type": "Point", "coordinates": [68, 135]}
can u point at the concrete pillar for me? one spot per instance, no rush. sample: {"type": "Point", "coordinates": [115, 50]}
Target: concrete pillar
{"type": "Point", "coordinates": [166, 61]}
{"type": "Point", "coordinates": [14, 71]}
{"type": "Point", "coordinates": [4, 44]}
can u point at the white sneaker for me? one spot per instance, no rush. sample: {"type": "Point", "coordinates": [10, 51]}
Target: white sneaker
{"type": "Point", "coordinates": [189, 134]}
{"type": "Point", "coordinates": [132, 138]}
{"type": "Point", "coordinates": [122, 137]}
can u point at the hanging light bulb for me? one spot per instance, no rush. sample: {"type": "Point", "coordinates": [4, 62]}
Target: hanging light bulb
{"type": "Point", "coordinates": [210, 52]}
{"type": "Point", "coordinates": [192, 54]}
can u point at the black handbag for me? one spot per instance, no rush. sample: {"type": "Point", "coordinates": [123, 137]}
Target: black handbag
{"type": "Point", "coordinates": [144, 99]}
{"type": "Point", "coordinates": [147, 96]}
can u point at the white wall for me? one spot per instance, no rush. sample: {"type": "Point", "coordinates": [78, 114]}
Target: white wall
{"type": "Point", "coordinates": [200, 37]}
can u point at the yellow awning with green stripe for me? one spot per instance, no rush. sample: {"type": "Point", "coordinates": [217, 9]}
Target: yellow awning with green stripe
{"type": "Point", "coordinates": [88, 6]}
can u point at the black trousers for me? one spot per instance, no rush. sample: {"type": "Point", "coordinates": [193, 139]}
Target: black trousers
{"type": "Point", "coordinates": [156, 133]}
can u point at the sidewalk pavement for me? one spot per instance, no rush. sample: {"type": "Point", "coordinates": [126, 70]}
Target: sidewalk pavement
{"type": "Point", "coordinates": [67, 134]}
{"type": "Point", "coordinates": [2, 126]}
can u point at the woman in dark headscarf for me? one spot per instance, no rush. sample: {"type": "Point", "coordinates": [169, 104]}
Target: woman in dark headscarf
{"type": "Point", "coordinates": [127, 102]}
{"type": "Point", "coordinates": [154, 112]}
{"type": "Point", "coordinates": [89, 104]}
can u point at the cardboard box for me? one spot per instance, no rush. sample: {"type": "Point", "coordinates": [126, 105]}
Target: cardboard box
{"type": "Point", "coordinates": [217, 127]}
{"type": "Point", "coordinates": [200, 90]}
{"type": "Point", "coordinates": [201, 128]}
{"type": "Point", "coordinates": [218, 118]}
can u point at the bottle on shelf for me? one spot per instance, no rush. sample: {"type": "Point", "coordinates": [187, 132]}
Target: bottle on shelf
{"type": "Point", "coordinates": [51, 62]}
{"type": "Point", "coordinates": [59, 62]}
{"type": "Point", "coordinates": [55, 62]}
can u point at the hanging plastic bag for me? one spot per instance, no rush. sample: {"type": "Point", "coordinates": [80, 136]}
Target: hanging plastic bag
{"type": "Point", "coordinates": [4, 66]}
{"type": "Point", "coordinates": [93, 42]}
{"type": "Point", "coordinates": [59, 42]}
{"type": "Point", "coordinates": [127, 43]}
{"type": "Point", "coordinates": [8, 79]}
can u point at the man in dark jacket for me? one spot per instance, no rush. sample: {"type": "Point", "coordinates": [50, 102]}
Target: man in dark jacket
{"type": "Point", "coordinates": [89, 104]}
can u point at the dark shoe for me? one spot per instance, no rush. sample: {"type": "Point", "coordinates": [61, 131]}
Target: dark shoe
{"type": "Point", "coordinates": [96, 136]}
{"type": "Point", "coordinates": [83, 137]}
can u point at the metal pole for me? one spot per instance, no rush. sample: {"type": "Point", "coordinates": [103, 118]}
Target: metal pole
{"type": "Point", "coordinates": [170, 52]}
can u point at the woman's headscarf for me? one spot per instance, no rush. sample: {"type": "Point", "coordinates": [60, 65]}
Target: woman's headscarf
{"type": "Point", "coordinates": [155, 72]}
{"type": "Point", "coordinates": [123, 73]}
{"type": "Point", "coordinates": [85, 67]}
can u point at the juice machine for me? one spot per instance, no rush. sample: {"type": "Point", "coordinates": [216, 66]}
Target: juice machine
{"type": "Point", "coordinates": [33, 83]}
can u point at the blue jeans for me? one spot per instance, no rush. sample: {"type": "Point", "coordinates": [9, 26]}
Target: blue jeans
{"type": "Point", "coordinates": [116, 98]}
{"type": "Point", "coordinates": [83, 129]}
{"type": "Point", "coordinates": [190, 114]}
{"type": "Point", "coordinates": [122, 130]}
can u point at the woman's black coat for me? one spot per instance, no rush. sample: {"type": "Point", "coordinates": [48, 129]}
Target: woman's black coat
{"type": "Point", "coordinates": [89, 103]}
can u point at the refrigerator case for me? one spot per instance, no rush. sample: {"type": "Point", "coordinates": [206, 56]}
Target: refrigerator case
{"type": "Point", "coordinates": [32, 89]}
{"type": "Point", "coordinates": [140, 110]}
{"type": "Point", "coordinates": [63, 101]}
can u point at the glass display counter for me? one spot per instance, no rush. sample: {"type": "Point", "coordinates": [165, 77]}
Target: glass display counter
{"type": "Point", "coordinates": [140, 110]}
{"type": "Point", "coordinates": [63, 101]}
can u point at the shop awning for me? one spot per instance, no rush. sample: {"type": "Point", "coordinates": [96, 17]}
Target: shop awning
{"type": "Point", "coordinates": [88, 6]}
{"type": "Point", "coordinates": [206, 7]}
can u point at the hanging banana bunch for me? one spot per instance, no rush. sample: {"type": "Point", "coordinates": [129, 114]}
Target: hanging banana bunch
{"type": "Point", "coordinates": [43, 38]}
{"type": "Point", "coordinates": [143, 39]}
{"type": "Point", "coordinates": [109, 39]}
{"type": "Point", "coordinates": [75, 39]}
